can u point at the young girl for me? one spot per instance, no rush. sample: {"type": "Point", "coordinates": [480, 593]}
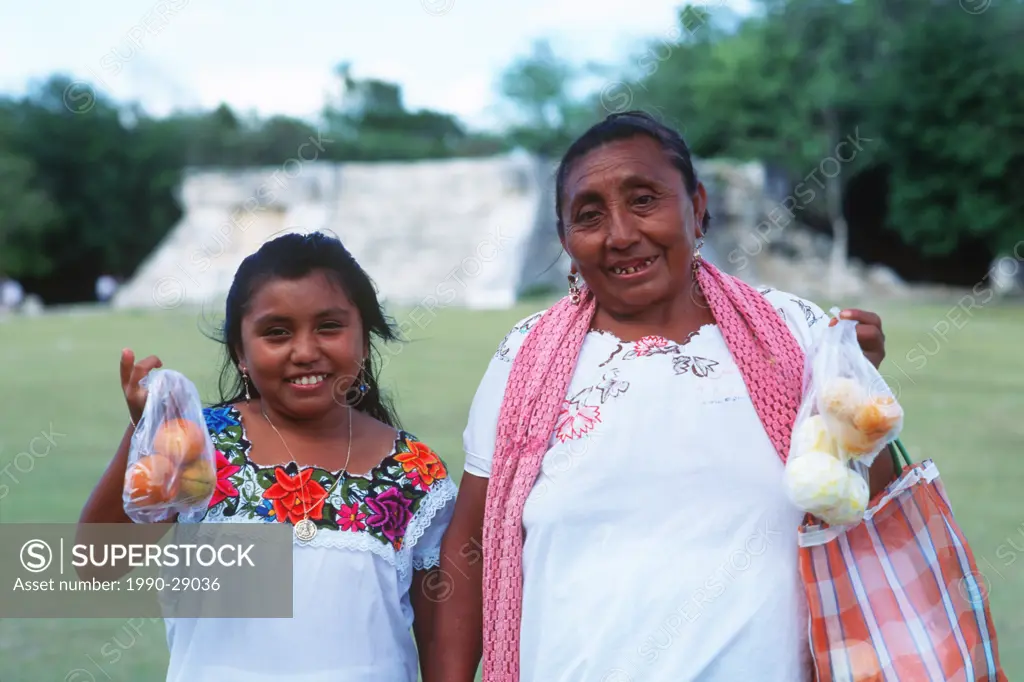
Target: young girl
{"type": "Point", "coordinates": [304, 404]}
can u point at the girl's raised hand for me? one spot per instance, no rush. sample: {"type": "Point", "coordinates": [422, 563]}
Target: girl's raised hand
{"type": "Point", "coordinates": [131, 374]}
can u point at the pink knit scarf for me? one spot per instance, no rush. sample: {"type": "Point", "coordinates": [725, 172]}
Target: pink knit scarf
{"type": "Point", "coordinates": [765, 350]}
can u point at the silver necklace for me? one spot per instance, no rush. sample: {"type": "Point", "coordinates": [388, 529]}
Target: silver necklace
{"type": "Point", "coordinates": [305, 530]}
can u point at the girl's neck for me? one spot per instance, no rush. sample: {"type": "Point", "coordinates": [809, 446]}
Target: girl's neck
{"type": "Point", "coordinates": [327, 426]}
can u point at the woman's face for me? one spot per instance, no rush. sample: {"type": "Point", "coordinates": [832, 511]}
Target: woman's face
{"type": "Point", "coordinates": [303, 345]}
{"type": "Point", "coordinates": [631, 224]}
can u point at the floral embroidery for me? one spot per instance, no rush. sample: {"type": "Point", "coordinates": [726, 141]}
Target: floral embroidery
{"type": "Point", "coordinates": [648, 344]}
{"type": "Point", "coordinates": [576, 420]}
{"type": "Point", "coordinates": [809, 313]}
{"type": "Point", "coordinates": [422, 465]}
{"type": "Point", "coordinates": [266, 510]}
{"type": "Point", "coordinates": [295, 497]}
{"type": "Point", "coordinates": [521, 328]}
{"type": "Point", "coordinates": [392, 512]}
{"type": "Point", "coordinates": [350, 518]}
{"type": "Point", "coordinates": [225, 488]}
{"type": "Point", "coordinates": [381, 504]}
{"type": "Point", "coordinates": [700, 367]}
{"type": "Point", "coordinates": [610, 387]}
{"type": "Point", "coordinates": [219, 420]}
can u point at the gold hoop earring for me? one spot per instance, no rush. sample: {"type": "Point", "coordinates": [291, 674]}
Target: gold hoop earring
{"type": "Point", "coordinates": [574, 288]}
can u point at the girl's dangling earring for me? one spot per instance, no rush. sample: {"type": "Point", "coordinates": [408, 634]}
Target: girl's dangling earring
{"type": "Point", "coordinates": [574, 286]}
{"type": "Point", "coordinates": [245, 383]}
{"type": "Point", "coordinates": [364, 387]}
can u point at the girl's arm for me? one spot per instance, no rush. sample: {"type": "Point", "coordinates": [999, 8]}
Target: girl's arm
{"type": "Point", "coordinates": [422, 594]}
{"type": "Point", "coordinates": [105, 505]}
{"type": "Point", "coordinates": [458, 589]}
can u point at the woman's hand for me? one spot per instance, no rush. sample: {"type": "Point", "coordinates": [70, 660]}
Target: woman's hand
{"type": "Point", "coordinates": [869, 333]}
{"type": "Point", "coordinates": [131, 374]}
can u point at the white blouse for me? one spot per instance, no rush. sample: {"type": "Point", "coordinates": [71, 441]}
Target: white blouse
{"type": "Point", "coordinates": [660, 543]}
{"type": "Point", "coordinates": [351, 611]}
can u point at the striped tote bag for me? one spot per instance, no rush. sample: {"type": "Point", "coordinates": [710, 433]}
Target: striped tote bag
{"type": "Point", "coordinates": [897, 598]}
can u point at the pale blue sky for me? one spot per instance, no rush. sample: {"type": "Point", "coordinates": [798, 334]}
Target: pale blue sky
{"type": "Point", "coordinates": [273, 56]}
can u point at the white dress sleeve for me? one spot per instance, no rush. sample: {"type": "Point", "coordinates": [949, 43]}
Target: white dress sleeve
{"type": "Point", "coordinates": [805, 319]}
{"type": "Point", "coordinates": [436, 514]}
{"type": "Point", "coordinates": [480, 435]}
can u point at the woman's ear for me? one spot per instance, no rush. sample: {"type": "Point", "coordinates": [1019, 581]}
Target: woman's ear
{"type": "Point", "coordinates": [700, 207]}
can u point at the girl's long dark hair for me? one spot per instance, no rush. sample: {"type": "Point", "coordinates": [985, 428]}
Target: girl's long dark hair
{"type": "Point", "coordinates": [293, 256]}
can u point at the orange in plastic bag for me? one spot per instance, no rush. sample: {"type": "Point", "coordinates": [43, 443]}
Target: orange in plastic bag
{"type": "Point", "coordinates": [172, 461]}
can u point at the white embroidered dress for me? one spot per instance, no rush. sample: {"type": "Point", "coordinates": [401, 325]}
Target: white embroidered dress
{"type": "Point", "coordinates": [660, 544]}
{"type": "Point", "coordinates": [352, 616]}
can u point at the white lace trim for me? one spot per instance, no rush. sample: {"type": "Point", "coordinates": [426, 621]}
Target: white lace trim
{"type": "Point", "coordinates": [431, 505]}
{"type": "Point", "coordinates": [404, 561]}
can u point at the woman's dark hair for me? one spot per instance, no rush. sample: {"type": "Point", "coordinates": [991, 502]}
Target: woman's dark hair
{"type": "Point", "coordinates": [622, 127]}
{"type": "Point", "coordinates": [294, 256]}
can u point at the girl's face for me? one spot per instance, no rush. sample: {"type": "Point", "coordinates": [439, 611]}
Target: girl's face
{"type": "Point", "coordinates": [303, 345]}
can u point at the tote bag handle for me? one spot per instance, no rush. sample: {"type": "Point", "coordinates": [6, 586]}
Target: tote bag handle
{"type": "Point", "coordinates": [899, 452]}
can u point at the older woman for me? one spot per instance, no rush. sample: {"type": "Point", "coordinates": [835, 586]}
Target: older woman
{"type": "Point", "coordinates": [622, 516]}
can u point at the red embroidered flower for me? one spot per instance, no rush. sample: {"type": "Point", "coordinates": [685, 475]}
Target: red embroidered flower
{"type": "Point", "coordinates": [421, 465]}
{"type": "Point", "coordinates": [224, 488]}
{"type": "Point", "coordinates": [576, 420]}
{"type": "Point", "coordinates": [293, 496]}
{"type": "Point", "coordinates": [648, 343]}
{"type": "Point", "coordinates": [349, 517]}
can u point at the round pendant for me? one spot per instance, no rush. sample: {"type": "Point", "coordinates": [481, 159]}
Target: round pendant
{"type": "Point", "coordinates": [305, 530]}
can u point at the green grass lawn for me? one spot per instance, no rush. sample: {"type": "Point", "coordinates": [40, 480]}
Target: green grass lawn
{"type": "Point", "coordinates": [964, 396]}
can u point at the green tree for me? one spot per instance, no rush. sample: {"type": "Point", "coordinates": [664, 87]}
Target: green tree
{"type": "Point", "coordinates": [952, 117]}
{"type": "Point", "coordinates": [538, 86]}
{"type": "Point", "coordinates": [27, 214]}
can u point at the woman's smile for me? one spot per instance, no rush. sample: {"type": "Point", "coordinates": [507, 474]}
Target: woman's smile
{"type": "Point", "coordinates": [633, 268]}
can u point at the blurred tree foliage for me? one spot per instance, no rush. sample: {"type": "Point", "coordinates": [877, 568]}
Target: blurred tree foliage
{"type": "Point", "coordinates": [927, 92]}
{"type": "Point", "coordinates": [88, 187]}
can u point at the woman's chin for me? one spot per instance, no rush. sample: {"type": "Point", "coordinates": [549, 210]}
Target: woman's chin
{"type": "Point", "coordinates": [634, 296]}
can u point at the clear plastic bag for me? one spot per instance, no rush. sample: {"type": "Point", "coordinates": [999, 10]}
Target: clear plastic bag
{"type": "Point", "coordinates": [847, 417]}
{"type": "Point", "coordinates": [172, 461]}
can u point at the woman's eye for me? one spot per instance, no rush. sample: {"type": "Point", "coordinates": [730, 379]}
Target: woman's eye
{"type": "Point", "coordinates": [644, 200]}
{"type": "Point", "coordinates": [587, 217]}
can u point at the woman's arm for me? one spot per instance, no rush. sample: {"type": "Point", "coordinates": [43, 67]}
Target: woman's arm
{"type": "Point", "coordinates": [458, 589]}
{"type": "Point", "coordinates": [882, 473]}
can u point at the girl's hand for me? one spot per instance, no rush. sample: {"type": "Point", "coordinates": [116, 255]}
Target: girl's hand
{"type": "Point", "coordinates": [869, 333]}
{"type": "Point", "coordinates": [131, 375]}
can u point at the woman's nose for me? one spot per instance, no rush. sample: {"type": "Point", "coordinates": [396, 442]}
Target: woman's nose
{"type": "Point", "coordinates": [622, 233]}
